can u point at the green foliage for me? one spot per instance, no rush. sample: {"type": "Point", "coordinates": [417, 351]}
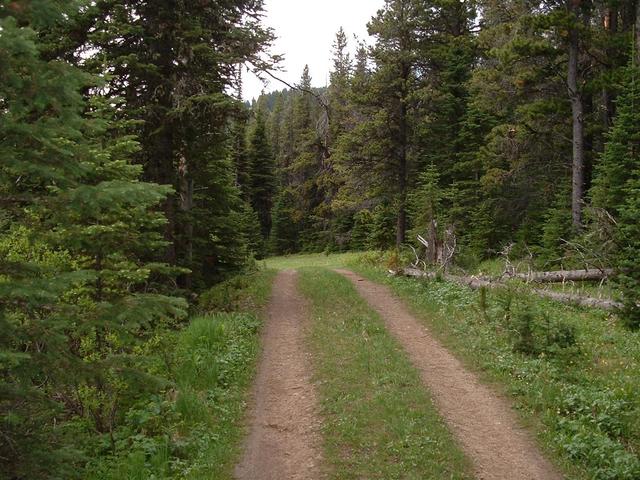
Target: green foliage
{"type": "Point", "coordinates": [621, 157]}
{"type": "Point", "coordinates": [263, 182]}
{"type": "Point", "coordinates": [557, 228]}
{"type": "Point", "coordinates": [535, 333]}
{"type": "Point", "coordinates": [383, 229]}
{"type": "Point", "coordinates": [88, 248]}
{"type": "Point", "coordinates": [362, 228]}
{"type": "Point", "coordinates": [285, 228]}
{"type": "Point", "coordinates": [617, 190]}
{"type": "Point", "coordinates": [191, 426]}
{"type": "Point", "coordinates": [232, 295]}
{"type": "Point", "coordinates": [425, 202]}
{"type": "Point", "coordinates": [592, 424]}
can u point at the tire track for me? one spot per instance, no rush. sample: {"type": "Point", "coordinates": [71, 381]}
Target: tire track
{"type": "Point", "coordinates": [284, 440]}
{"type": "Point", "coordinates": [484, 423]}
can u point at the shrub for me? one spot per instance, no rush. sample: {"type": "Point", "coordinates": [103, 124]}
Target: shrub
{"type": "Point", "coordinates": [224, 297]}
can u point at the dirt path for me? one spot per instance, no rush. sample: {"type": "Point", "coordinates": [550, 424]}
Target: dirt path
{"type": "Point", "coordinates": [284, 440]}
{"type": "Point", "coordinates": [483, 423]}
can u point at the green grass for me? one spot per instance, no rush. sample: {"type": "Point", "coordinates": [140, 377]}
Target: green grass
{"type": "Point", "coordinates": [332, 260]}
{"type": "Point", "coordinates": [379, 422]}
{"type": "Point", "coordinates": [193, 428]}
{"type": "Point", "coordinates": [581, 400]}
{"type": "Point", "coordinates": [217, 358]}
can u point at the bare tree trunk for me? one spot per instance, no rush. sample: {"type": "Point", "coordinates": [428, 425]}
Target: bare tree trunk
{"type": "Point", "coordinates": [566, 275]}
{"type": "Point", "coordinates": [186, 205]}
{"type": "Point", "coordinates": [611, 27]}
{"type": "Point", "coordinates": [637, 33]}
{"type": "Point", "coordinates": [476, 283]}
{"type": "Point", "coordinates": [577, 113]}
{"type": "Point", "coordinates": [432, 249]}
{"type": "Point", "coordinates": [402, 161]}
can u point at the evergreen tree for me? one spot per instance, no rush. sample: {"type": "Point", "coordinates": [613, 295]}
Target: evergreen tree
{"type": "Point", "coordinates": [241, 160]}
{"type": "Point", "coordinates": [395, 30]}
{"type": "Point", "coordinates": [262, 173]}
{"type": "Point", "coordinates": [622, 153]}
{"type": "Point", "coordinates": [339, 87]}
{"type": "Point", "coordinates": [425, 202]}
{"type": "Point", "coordinates": [72, 314]}
{"type": "Point", "coordinates": [617, 190]}
{"type": "Point", "coordinates": [285, 229]}
{"type": "Point", "coordinates": [174, 64]}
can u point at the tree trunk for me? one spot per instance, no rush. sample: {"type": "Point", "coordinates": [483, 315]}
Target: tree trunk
{"type": "Point", "coordinates": [608, 108]}
{"type": "Point", "coordinates": [476, 283]}
{"type": "Point", "coordinates": [566, 275]}
{"type": "Point", "coordinates": [577, 113]}
{"type": "Point", "coordinates": [637, 33]}
{"type": "Point", "coordinates": [402, 161]}
{"type": "Point", "coordinates": [186, 205]}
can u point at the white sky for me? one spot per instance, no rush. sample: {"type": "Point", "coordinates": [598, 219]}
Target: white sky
{"type": "Point", "coordinates": [306, 30]}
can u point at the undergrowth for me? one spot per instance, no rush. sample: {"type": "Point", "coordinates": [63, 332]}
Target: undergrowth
{"type": "Point", "coordinates": [190, 428]}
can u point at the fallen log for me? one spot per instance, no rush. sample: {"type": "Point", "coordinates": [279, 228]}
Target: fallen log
{"type": "Point", "coordinates": [573, 299]}
{"type": "Point", "coordinates": [565, 275]}
{"type": "Point", "coordinates": [479, 282]}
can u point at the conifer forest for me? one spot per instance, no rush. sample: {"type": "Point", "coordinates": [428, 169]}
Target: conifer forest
{"type": "Point", "coordinates": [491, 144]}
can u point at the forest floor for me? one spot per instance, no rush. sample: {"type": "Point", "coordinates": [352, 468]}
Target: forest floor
{"type": "Point", "coordinates": [352, 385]}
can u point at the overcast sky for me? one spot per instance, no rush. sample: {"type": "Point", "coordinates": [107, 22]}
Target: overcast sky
{"type": "Point", "coordinates": [306, 30]}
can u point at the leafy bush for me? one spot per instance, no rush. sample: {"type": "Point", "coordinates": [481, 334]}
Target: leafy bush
{"type": "Point", "coordinates": [228, 296]}
{"type": "Point", "coordinates": [593, 426]}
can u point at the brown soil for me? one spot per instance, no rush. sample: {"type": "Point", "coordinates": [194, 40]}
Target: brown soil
{"type": "Point", "coordinates": [484, 423]}
{"type": "Point", "coordinates": [284, 441]}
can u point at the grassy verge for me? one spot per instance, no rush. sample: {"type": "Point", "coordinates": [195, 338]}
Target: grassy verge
{"type": "Point", "coordinates": [574, 374]}
{"type": "Point", "coordinates": [379, 422]}
{"type": "Point", "coordinates": [192, 427]}
{"type": "Point", "coordinates": [331, 260]}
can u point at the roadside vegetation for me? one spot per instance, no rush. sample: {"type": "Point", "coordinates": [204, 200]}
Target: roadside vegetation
{"type": "Point", "coordinates": [573, 373]}
{"type": "Point", "coordinates": [190, 426]}
{"type": "Point", "coordinates": [379, 421]}
{"type": "Point", "coordinates": [326, 260]}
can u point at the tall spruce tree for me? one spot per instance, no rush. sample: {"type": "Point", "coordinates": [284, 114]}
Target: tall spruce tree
{"type": "Point", "coordinates": [263, 179]}
{"type": "Point", "coordinates": [77, 298]}
{"type": "Point", "coordinates": [174, 64]}
{"type": "Point", "coordinates": [617, 190]}
{"type": "Point", "coordinates": [395, 29]}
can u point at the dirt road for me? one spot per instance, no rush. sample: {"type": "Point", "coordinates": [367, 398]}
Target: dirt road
{"type": "Point", "coordinates": [283, 442]}
{"type": "Point", "coordinates": [483, 423]}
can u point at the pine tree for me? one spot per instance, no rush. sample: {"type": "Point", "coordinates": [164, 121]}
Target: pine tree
{"type": "Point", "coordinates": [241, 160]}
{"type": "Point", "coordinates": [174, 64]}
{"type": "Point", "coordinates": [621, 155]}
{"type": "Point", "coordinates": [395, 29]}
{"type": "Point", "coordinates": [285, 228]}
{"type": "Point", "coordinates": [72, 314]}
{"type": "Point", "coordinates": [339, 87]}
{"type": "Point", "coordinates": [425, 202]}
{"type": "Point", "coordinates": [617, 190]}
{"type": "Point", "coordinates": [263, 181]}
{"type": "Point", "coordinates": [303, 173]}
